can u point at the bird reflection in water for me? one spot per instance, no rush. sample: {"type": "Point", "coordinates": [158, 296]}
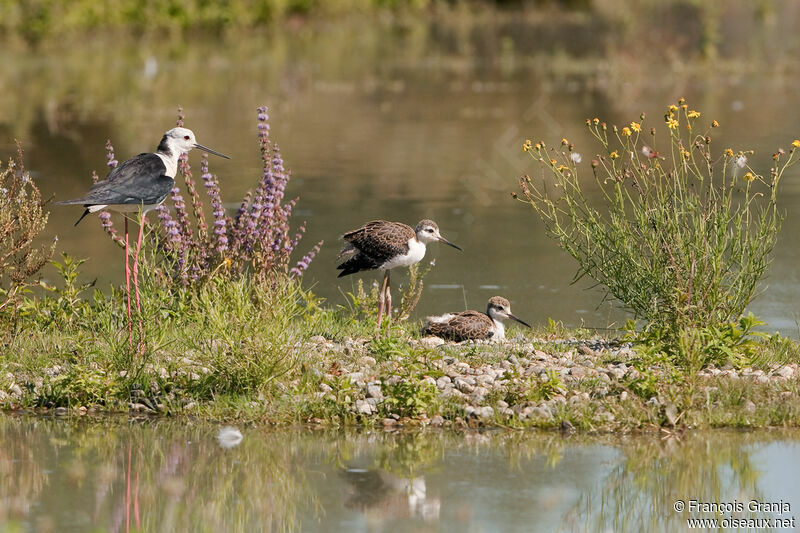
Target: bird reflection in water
{"type": "Point", "coordinates": [390, 495]}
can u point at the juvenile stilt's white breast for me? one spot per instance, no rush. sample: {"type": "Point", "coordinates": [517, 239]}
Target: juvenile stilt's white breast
{"type": "Point", "coordinates": [473, 325]}
{"type": "Point", "coordinates": [383, 245]}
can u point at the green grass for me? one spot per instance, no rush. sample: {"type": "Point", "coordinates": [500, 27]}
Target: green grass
{"type": "Point", "coordinates": [232, 349]}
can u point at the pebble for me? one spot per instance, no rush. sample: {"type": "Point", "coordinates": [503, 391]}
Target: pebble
{"type": "Point", "coordinates": [431, 342]}
{"type": "Point", "coordinates": [363, 407]}
{"type": "Point", "coordinates": [463, 386]}
{"type": "Point", "coordinates": [367, 361]}
{"type": "Point", "coordinates": [577, 371]}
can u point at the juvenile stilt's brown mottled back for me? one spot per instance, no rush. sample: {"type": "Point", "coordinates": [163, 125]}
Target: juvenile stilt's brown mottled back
{"type": "Point", "coordinates": [473, 325]}
{"type": "Point", "coordinates": [383, 245]}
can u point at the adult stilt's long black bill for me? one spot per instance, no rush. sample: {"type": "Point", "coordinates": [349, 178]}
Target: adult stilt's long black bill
{"type": "Point", "coordinates": [518, 320]}
{"type": "Point", "coordinates": [442, 239]}
{"type": "Point", "coordinates": [210, 151]}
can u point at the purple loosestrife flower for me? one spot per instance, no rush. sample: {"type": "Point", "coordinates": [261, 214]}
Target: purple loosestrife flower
{"type": "Point", "coordinates": [197, 203]}
{"type": "Point", "coordinates": [112, 163]}
{"type": "Point", "coordinates": [220, 222]}
{"type": "Point", "coordinates": [172, 242]}
{"type": "Point", "coordinates": [181, 215]}
{"type": "Point", "coordinates": [105, 216]}
{"type": "Point", "coordinates": [108, 227]}
{"type": "Point", "coordinates": [303, 264]}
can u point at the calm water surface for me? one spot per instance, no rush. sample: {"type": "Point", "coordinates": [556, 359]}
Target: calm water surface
{"type": "Point", "coordinates": [120, 474]}
{"type": "Point", "coordinates": [405, 121]}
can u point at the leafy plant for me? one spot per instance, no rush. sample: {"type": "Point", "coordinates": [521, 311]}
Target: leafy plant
{"type": "Point", "coordinates": [410, 295]}
{"type": "Point", "coordinates": [409, 396]}
{"type": "Point", "coordinates": [22, 219]}
{"type": "Point", "coordinates": [681, 236]}
{"type": "Point", "coordinates": [60, 304]}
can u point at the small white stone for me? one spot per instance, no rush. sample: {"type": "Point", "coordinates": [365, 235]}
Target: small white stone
{"type": "Point", "coordinates": [431, 342]}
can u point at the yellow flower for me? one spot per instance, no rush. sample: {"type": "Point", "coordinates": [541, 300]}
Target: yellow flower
{"type": "Point", "coordinates": [796, 143]}
{"type": "Point", "coordinates": [715, 124]}
{"type": "Point", "coordinates": [626, 132]}
{"type": "Point", "coordinates": [694, 114]}
{"type": "Point", "coordinates": [728, 152]}
{"type": "Point", "coordinates": [564, 141]}
{"type": "Point", "coordinates": [553, 162]}
{"type": "Point", "coordinates": [227, 262]}
{"type": "Point", "coordinates": [686, 154]}
{"type": "Point", "coordinates": [748, 177]}
{"type": "Point", "coordinates": [673, 108]}
{"type": "Point", "coordinates": [684, 106]}
{"type": "Point", "coordinates": [596, 121]}
{"type": "Point", "coordinates": [527, 146]}
{"type": "Point", "coordinates": [538, 146]}
{"type": "Point", "coordinates": [635, 126]}
{"type": "Point", "coordinates": [681, 100]}
{"type": "Point", "coordinates": [614, 154]}
{"type": "Point", "coordinates": [672, 123]}
{"type": "Point", "coordinates": [561, 168]}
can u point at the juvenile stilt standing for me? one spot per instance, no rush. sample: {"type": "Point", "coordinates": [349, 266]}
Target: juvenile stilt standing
{"type": "Point", "coordinates": [383, 245]}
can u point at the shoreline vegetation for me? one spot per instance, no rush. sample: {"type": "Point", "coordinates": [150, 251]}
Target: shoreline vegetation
{"type": "Point", "coordinates": [229, 331]}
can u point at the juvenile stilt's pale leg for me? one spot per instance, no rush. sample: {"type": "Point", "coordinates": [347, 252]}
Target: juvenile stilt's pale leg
{"type": "Point", "coordinates": [388, 300]}
{"type": "Point", "coordinates": [382, 298]}
{"type": "Point", "coordinates": [128, 285]}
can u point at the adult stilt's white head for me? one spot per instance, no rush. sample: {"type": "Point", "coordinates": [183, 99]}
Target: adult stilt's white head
{"type": "Point", "coordinates": [178, 141]}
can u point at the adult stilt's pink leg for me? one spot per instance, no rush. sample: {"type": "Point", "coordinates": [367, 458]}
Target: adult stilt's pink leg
{"type": "Point", "coordinates": [136, 265]}
{"type": "Point", "coordinates": [128, 286]}
{"type": "Point", "coordinates": [136, 281]}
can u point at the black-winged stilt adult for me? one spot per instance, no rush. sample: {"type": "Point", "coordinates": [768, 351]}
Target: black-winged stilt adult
{"type": "Point", "coordinates": [137, 186]}
{"type": "Point", "coordinates": [473, 325]}
{"type": "Point", "coordinates": [382, 245]}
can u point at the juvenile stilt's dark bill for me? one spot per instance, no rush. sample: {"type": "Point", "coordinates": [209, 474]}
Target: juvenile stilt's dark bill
{"type": "Point", "coordinates": [382, 245]}
{"type": "Point", "coordinates": [473, 325]}
{"type": "Point", "coordinates": [137, 186]}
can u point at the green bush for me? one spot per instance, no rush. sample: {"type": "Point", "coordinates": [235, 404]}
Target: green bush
{"type": "Point", "coordinates": [22, 219]}
{"type": "Point", "coordinates": [679, 235]}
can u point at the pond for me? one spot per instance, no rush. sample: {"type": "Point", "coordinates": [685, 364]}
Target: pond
{"type": "Point", "coordinates": [127, 474]}
{"type": "Point", "coordinates": [413, 119]}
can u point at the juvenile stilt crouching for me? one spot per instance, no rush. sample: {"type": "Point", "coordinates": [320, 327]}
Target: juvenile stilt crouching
{"type": "Point", "coordinates": [473, 325]}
